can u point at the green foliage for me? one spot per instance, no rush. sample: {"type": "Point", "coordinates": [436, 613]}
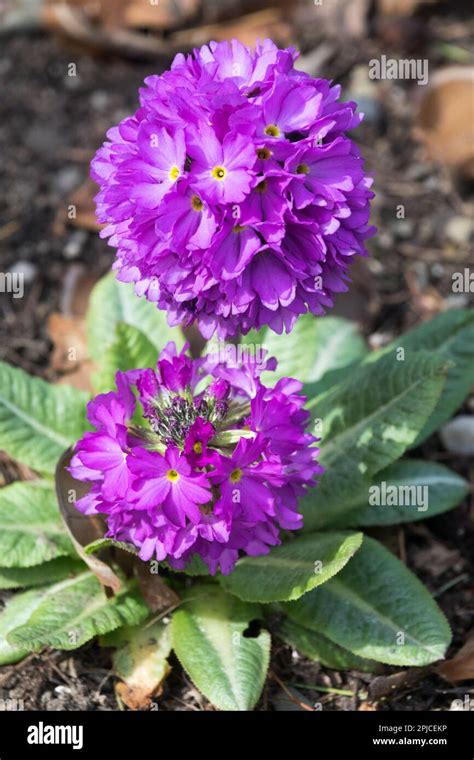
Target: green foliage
{"type": "Point", "coordinates": [313, 348]}
{"type": "Point", "coordinates": [131, 349]}
{"type": "Point", "coordinates": [367, 422]}
{"type": "Point", "coordinates": [75, 610]}
{"type": "Point", "coordinates": [31, 530]}
{"type": "Point", "coordinates": [208, 638]}
{"type": "Point", "coordinates": [449, 336]}
{"type": "Point", "coordinates": [377, 609]}
{"type": "Point", "coordinates": [112, 302]}
{"type": "Point", "coordinates": [15, 613]}
{"type": "Point", "coordinates": [293, 568]}
{"type": "Point", "coordinates": [317, 647]}
{"type": "Point", "coordinates": [347, 603]}
{"type": "Point", "coordinates": [38, 421]}
{"type": "Point", "coordinates": [38, 575]}
{"type": "Point", "coordinates": [424, 488]}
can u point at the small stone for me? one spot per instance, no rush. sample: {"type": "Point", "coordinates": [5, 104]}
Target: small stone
{"type": "Point", "coordinates": [458, 435]}
{"type": "Point", "coordinates": [99, 100]}
{"type": "Point", "coordinates": [25, 268]}
{"type": "Point", "coordinates": [62, 690]}
{"type": "Point", "coordinates": [459, 230]}
{"type": "Point", "coordinates": [403, 229]}
{"type": "Point", "coordinates": [67, 179]}
{"type": "Point", "coordinates": [379, 339]}
{"type": "Point", "coordinates": [74, 245]}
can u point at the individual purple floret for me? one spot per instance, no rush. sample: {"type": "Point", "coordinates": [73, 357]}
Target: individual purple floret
{"type": "Point", "coordinates": [208, 462]}
{"type": "Point", "coordinates": [233, 195]}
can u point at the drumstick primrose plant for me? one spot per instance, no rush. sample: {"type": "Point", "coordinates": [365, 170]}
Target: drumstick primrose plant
{"type": "Point", "coordinates": [206, 503]}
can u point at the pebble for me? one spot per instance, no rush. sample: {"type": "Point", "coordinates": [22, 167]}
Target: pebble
{"type": "Point", "coordinates": [458, 435]}
{"type": "Point", "coordinates": [403, 229]}
{"type": "Point", "coordinates": [99, 100]}
{"type": "Point", "coordinates": [74, 245]}
{"type": "Point", "coordinates": [26, 268]}
{"type": "Point", "coordinates": [66, 179]}
{"type": "Point", "coordinates": [62, 690]}
{"type": "Point", "coordinates": [459, 229]}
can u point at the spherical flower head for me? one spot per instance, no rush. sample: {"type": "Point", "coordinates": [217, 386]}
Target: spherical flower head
{"type": "Point", "coordinates": [198, 458]}
{"type": "Point", "coordinates": [233, 195]}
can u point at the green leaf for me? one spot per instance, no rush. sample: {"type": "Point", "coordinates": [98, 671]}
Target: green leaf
{"type": "Point", "coordinates": [107, 543]}
{"type": "Point", "coordinates": [130, 350]}
{"type": "Point", "coordinates": [228, 667]}
{"type": "Point", "coordinates": [112, 302]}
{"type": "Point", "coordinates": [378, 609]}
{"type": "Point", "coordinates": [141, 658]}
{"type": "Point", "coordinates": [16, 611]}
{"type": "Point", "coordinates": [38, 421]}
{"type": "Point", "coordinates": [48, 572]}
{"type": "Point", "coordinates": [292, 569]}
{"type": "Point", "coordinates": [423, 489]}
{"type": "Point", "coordinates": [315, 346]}
{"type": "Point", "coordinates": [31, 530]}
{"type": "Point", "coordinates": [75, 610]}
{"type": "Point", "coordinates": [366, 423]}
{"type": "Point", "coordinates": [317, 647]}
{"type": "Point", "coordinates": [451, 337]}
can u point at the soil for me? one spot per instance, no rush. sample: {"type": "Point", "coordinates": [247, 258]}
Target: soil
{"type": "Point", "coordinates": [50, 125]}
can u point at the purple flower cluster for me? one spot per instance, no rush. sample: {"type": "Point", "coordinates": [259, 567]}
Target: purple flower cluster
{"type": "Point", "coordinates": [197, 457]}
{"type": "Point", "coordinates": [233, 195]}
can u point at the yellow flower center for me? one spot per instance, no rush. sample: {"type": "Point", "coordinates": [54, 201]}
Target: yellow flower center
{"type": "Point", "coordinates": [238, 228]}
{"type": "Point", "coordinates": [262, 186]}
{"type": "Point", "coordinates": [302, 169]}
{"type": "Point", "coordinates": [197, 448]}
{"type": "Point", "coordinates": [235, 475]}
{"type": "Point", "coordinates": [263, 154]}
{"type": "Point", "coordinates": [197, 203]}
{"type": "Point", "coordinates": [172, 475]}
{"type": "Point", "coordinates": [174, 172]}
{"type": "Point", "coordinates": [218, 173]}
{"type": "Point", "coordinates": [272, 130]}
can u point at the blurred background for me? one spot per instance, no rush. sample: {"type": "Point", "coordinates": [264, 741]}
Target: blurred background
{"type": "Point", "coordinates": [70, 69]}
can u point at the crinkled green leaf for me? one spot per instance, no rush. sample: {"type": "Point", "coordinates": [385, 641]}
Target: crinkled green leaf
{"type": "Point", "coordinates": [48, 572]}
{"type": "Point", "coordinates": [317, 647]}
{"type": "Point", "coordinates": [31, 530]}
{"type": "Point", "coordinates": [107, 543]}
{"type": "Point", "coordinates": [292, 569]}
{"type": "Point", "coordinates": [38, 421]}
{"type": "Point", "coordinates": [16, 611]}
{"type": "Point", "coordinates": [112, 302]}
{"type": "Point", "coordinates": [315, 346]}
{"type": "Point", "coordinates": [423, 489]}
{"type": "Point", "coordinates": [131, 349]}
{"type": "Point", "coordinates": [450, 336]}
{"type": "Point", "coordinates": [75, 610]}
{"type": "Point", "coordinates": [366, 423]}
{"type": "Point", "coordinates": [208, 638]}
{"type": "Point", "coordinates": [376, 608]}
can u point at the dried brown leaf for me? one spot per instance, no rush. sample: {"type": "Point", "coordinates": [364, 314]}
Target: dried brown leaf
{"type": "Point", "coordinates": [445, 120]}
{"type": "Point", "coordinates": [83, 529]}
{"type": "Point", "coordinates": [461, 666]}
